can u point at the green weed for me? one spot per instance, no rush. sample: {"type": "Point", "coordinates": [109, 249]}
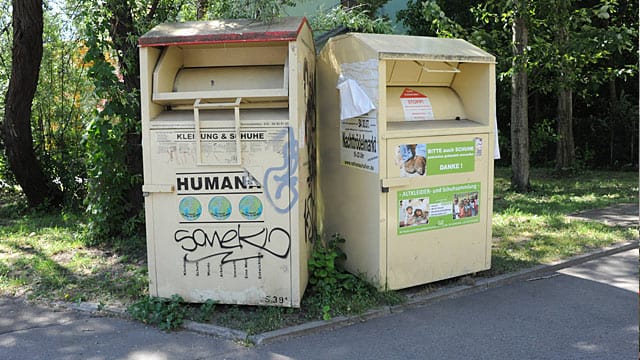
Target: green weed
{"type": "Point", "coordinates": [205, 311]}
{"type": "Point", "coordinates": [332, 291]}
{"type": "Point", "coordinates": [167, 314]}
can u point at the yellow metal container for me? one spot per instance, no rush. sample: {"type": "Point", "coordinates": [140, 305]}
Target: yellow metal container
{"type": "Point", "coordinates": [409, 184]}
{"type": "Point", "coordinates": [227, 129]}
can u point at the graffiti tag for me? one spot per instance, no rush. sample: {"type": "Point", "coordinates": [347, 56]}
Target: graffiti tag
{"type": "Point", "coordinates": [284, 176]}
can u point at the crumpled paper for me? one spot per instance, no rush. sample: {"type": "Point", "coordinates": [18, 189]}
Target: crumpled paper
{"type": "Point", "coordinates": [353, 100]}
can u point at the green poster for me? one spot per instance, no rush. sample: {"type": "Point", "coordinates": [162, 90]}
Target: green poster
{"type": "Point", "coordinates": [450, 158]}
{"type": "Point", "coordinates": [438, 207]}
{"type": "Point", "coordinates": [437, 158]}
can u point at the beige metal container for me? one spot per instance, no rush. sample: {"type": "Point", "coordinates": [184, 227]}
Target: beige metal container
{"type": "Point", "coordinates": [227, 131]}
{"type": "Point", "coordinates": [410, 183]}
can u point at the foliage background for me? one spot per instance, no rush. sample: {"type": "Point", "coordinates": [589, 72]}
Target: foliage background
{"type": "Point", "coordinates": [86, 121]}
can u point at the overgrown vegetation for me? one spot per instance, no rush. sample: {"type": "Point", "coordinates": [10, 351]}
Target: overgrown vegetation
{"type": "Point", "coordinates": [255, 319]}
{"type": "Point", "coordinates": [357, 18]}
{"type": "Point", "coordinates": [333, 291]}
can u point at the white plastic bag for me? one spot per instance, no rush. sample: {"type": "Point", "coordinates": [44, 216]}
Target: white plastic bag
{"type": "Point", "coordinates": [353, 100]}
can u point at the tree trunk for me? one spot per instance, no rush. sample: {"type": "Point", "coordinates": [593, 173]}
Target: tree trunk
{"type": "Point", "coordinates": [519, 108]}
{"type": "Point", "coordinates": [122, 27]}
{"type": "Point", "coordinates": [16, 127]}
{"type": "Point", "coordinates": [201, 9]}
{"type": "Point", "coordinates": [614, 114]}
{"type": "Point", "coordinates": [565, 149]}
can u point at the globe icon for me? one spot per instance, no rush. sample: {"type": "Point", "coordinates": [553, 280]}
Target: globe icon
{"type": "Point", "coordinates": [250, 207]}
{"type": "Point", "coordinates": [220, 208]}
{"type": "Point", "coordinates": [190, 208]}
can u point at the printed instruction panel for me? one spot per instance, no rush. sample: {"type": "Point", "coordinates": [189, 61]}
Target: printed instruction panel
{"type": "Point", "coordinates": [438, 207]}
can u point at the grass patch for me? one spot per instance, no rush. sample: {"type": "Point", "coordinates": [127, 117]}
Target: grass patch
{"type": "Point", "coordinates": [46, 256]}
{"type": "Point", "coordinates": [532, 228]}
{"type": "Point", "coordinates": [564, 195]}
{"type": "Point", "coordinates": [255, 319]}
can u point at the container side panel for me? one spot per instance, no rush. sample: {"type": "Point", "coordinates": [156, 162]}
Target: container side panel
{"type": "Point", "coordinates": [305, 216]}
{"type": "Point", "coordinates": [492, 143]}
{"type": "Point", "coordinates": [474, 86]}
{"type": "Point", "coordinates": [148, 59]}
{"type": "Point", "coordinates": [348, 197]}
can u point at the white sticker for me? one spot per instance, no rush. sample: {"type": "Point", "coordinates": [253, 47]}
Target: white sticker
{"type": "Point", "coordinates": [359, 139]}
{"type": "Point", "coordinates": [416, 105]}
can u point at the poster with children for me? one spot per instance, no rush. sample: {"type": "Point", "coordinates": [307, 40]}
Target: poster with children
{"type": "Point", "coordinates": [438, 207]}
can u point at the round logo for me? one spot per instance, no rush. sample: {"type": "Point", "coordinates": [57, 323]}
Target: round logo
{"type": "Point", "coordinates": [190, 208]}
{"type": "Point", "coordinates": [220, 208]}
{"type": "Point", "coordinates": [250, 207]}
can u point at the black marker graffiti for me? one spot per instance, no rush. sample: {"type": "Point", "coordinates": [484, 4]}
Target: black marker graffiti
{"type": "Point", "coordinates": [232, 245]}
{"type": "Point", "coordinates": [310, 137]}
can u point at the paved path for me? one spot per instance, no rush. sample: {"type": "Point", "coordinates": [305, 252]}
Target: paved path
{"type": "Point", "coordinates": [31, 332]}
{"type": "Point", "coordinates": [621, 215]}
{"type": "Point", "coordinates": [589, 311]}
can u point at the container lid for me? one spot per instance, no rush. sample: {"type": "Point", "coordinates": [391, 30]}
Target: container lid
{"type": "Point", "coordinates": [222, 31]}
{"type": "Point", "coordinates": [399, 47]}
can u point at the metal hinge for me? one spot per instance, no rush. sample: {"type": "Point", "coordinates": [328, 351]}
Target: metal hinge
{"type": "Point", "coordinates": [385, 184]}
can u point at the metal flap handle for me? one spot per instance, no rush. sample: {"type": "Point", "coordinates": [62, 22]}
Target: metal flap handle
{"type": "Point", "coordinates": [197, 105]}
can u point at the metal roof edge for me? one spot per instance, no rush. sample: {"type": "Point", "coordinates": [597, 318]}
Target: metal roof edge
{"type": "Point", "coordinates": [223, 36]}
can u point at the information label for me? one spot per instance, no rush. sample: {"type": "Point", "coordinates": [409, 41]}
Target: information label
{"type": "Point", "coordinates": [416, 105]}
{"type": "Point", "coordinates": [178, 147]}
{"type": "Point", "coordinates": [359, 143]}
{"type": "Point", "coordinates": [438, 207]}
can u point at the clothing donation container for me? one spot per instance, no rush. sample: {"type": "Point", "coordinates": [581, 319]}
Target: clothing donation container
{"type": "Point", "coordinates": [227, 122]}
{"type": "Point", "coordinates": [406, 143]}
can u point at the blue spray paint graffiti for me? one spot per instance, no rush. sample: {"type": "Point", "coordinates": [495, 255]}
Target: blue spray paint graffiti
{"type": "Point", "coordinates": [284, 176]}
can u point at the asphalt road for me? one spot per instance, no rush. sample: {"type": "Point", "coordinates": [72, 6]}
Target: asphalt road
{"type": "Point", "coordinates": [583, 312]}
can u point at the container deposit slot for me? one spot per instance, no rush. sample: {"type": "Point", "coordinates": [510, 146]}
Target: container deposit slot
{"type": "Point", "coordinates": [211, 85]}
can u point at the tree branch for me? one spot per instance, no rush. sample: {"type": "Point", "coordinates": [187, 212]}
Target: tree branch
{"type": "Point", "coordinates": [152, 10]}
